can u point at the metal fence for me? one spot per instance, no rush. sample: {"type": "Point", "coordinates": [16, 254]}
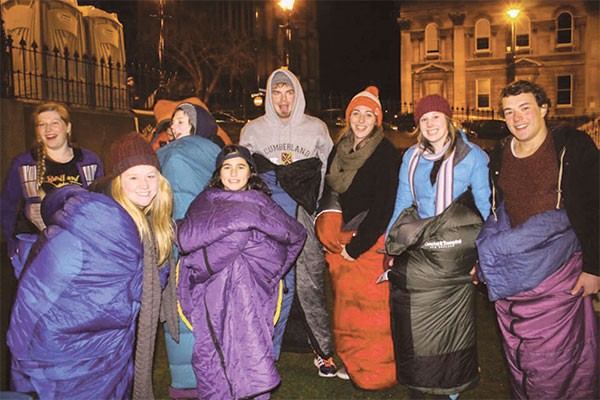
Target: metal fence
{"type": "Point", "coordinates": [31, 72]}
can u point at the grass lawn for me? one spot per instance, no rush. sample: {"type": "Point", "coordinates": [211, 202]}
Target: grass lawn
{"type": "Point", "coordinates": [300, 380]}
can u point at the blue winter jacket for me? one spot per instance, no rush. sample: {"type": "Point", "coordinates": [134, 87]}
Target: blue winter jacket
{"type": "Point", "coordinates": [470, 170]}
{"type": "Point", "coordinates": [188, 164]}
{"type": "Point", "coordinates": [72, 328]}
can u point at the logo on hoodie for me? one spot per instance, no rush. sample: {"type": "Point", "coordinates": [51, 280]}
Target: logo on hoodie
{"type": "Point", "coordinates": [286, 158]}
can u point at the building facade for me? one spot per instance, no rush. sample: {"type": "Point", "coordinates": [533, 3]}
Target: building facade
{"type": "Point", "coordinates": [463, 50]}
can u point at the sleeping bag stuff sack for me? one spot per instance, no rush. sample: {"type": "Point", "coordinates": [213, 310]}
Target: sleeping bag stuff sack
{"type": "Point", "coordinates": [72, 328]}
{"type": "Point", "coordinates": [361, 318]}
{"type": "Point", "coordinates": [432, 297]}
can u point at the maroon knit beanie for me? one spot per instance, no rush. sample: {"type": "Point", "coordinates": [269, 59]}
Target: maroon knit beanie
{"type": "Point", "coordinates": [433, 102]}
{"type": "Point", "coordinates": [131, 150]}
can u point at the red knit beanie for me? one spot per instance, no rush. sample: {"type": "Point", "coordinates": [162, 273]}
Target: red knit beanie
{"type": "Point", "coordinates": [369, 98]}
{"type": "Point", "coordinates": [433, 102]}
{"type": "Point", "coordinates": [131, 150]}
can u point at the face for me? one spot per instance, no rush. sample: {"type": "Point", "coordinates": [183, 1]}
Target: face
{"type": "Point", "coordinates": [524, 118]}
{"type": "Point", "coordinates": [52, 130]}
{"type": "Point", "coordinates": [180, 125]}
{"type": "Point", "coordinates": [283, 101]}
{"type": "Point", "coordinates": [140, 184]}
{"type": "Point", "coordinates": [362, 122]}
{"type": "Point", "coordinates": [434, 127]}
{"type": "Point", "coordinates": [235, 173]}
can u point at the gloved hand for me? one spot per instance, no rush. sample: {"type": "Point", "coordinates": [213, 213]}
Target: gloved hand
{"type": "Point", "coordinates": [346, 236]}
{"type": "Point", "coordinates": [328, 227]}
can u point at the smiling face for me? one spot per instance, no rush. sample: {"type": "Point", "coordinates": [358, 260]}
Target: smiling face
{"type": "Point", "coordinates": [181, 125]}
{"type": "Point", "coordinates": [434, 127]}
{"type": "Point", "coordinates": [52, 130]}
{"type": "Point", "coordinates": [525, 118]}
{"type": "Point", "coordinates": [140, 184]}
{"type": "Point", "coordinates": [283, 97]}
{"type": "Point", "coordinates": [235, 173]}
{"type": "Point", "coordinates": [362, 122]}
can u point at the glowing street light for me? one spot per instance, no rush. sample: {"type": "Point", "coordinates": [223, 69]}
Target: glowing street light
{"type": "Point", "coordinates": [513, 14]}
{"type": "Point", "coordinates": [287, 6]}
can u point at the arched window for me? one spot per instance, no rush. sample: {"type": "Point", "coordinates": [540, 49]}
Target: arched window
{"type": "Point", "coordinates": [432, 40]}
{"type": "Point", "coordinates": [482, 35]}
{"type": "Point", "coordinates": [522, 30]}
{"type": "Point", "coordinates": [564, 29]}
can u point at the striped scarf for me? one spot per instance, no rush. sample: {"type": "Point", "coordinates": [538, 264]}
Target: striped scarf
{"type": "Point", "coordinates": [444, 179]}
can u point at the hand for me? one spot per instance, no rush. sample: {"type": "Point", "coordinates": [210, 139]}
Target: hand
{"type": "Point", "coordinates": [588, 282]}
{"type": "Point", "coordinates": [345, 254]}
{"type": "Point", "coordinates": [473, 274]}
{"type": "Point", "coordinates": [388, 261]}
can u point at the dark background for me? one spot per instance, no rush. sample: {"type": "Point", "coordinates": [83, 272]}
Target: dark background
{"type": "Point", "coordinates": [359, 41]}
{"type": "Point", "coordinates": [359, 44]}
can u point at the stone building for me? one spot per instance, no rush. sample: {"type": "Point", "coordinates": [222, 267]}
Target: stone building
{"type": "Point", "coordinates": [462, 51]}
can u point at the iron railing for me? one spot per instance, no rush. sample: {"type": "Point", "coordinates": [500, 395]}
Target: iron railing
{"type": "Point", "coordinates": [34, 73]}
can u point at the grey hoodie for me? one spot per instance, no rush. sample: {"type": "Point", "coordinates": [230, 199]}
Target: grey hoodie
{"type": "Point", "coordinates": [302, 136]}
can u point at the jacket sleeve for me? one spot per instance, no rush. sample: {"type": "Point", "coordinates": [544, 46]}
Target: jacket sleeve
{"type": "Point", "coordinates": [581, 197]}
{"type": "Point", "coordinates": [324, 147]}
{"type": "Point", "coordinates": [480, 184]}
{"type": "Point", "coordinates": [382, 207]}
{"type": "Point", "coordinates": [404, 197]}
{"type": "Point", "coordinates": [9, 200]}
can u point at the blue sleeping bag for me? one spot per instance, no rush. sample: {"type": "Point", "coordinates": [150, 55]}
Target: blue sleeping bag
{"type": "Point", "coordinates": [72, 328]}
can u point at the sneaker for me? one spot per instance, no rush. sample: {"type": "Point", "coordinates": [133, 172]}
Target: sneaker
{"type": "Point", "coordinates": [342, 373]}
{"type": "Point", "coordinates": [327, 368]}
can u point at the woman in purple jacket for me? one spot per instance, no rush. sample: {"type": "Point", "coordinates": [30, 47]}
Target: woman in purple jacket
{"type": "Point", "coordinates": [235, 244]}
{"type": "Point", "coordinates": [53, 162]}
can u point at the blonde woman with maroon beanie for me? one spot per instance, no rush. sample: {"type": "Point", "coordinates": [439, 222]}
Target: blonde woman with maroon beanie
{"type": "Point", "coordinates": [87, 307]}
{"type": "Point", "coordinates": [358, 200]}
{"type": "Point", "coordinates": [442, 200]}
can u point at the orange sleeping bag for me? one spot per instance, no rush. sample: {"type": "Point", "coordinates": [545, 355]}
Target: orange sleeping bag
{"type": "Point", "coordinates": [361, 318]}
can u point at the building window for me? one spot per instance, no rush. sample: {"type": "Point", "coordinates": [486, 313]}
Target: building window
{"type": "Point", "coordinates": [522, 31]}
{"type": "Point", "coordinates": [482, 35]}
{"type": "Point", "coordinates": [483, 93]}
{"type": "Point", "coordinates": [564, 29]}
{"type": "Point", "coordinates": [564, 90]}
{"type": "Point", "coordinates": [432, 40]}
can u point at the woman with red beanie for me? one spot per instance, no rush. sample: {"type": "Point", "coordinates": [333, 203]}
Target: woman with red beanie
{"type": "Point", "coordinates": [442, 200]}
{"type": "Point", "coordinates": [357, 203]}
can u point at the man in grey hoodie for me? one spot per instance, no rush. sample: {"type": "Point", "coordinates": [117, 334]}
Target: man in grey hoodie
{"type": "Point", "coordinates": [291, 149]}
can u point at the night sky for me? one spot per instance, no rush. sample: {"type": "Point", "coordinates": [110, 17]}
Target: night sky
{"type": "Point", "coordinates": [359, 46]}
{"type": "Point", "coordinates": [358, 43]}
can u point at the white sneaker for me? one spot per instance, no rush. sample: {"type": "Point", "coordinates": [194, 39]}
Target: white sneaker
{"type": "Point", "coordinates": [342, 373]}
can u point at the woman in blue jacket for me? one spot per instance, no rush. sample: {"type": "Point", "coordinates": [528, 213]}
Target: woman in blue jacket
{"type": "Point", "coordinates": [442, 200]}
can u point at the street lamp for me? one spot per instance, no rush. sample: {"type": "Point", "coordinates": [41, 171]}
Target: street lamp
{"type": "Point", "coordinates": [513, 14]}
{"type": "Point", "coordinates": [287, 6]}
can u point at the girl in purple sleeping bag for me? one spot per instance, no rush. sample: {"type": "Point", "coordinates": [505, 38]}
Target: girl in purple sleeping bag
{"type": "Point", "coordinates": [235, 244]}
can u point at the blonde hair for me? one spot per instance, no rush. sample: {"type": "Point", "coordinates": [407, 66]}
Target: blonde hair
{"type": "Point", "coordinates": [40, 149]}
{"type": "Point", "coordinates": [452, 132]}
{"type": "Point", "coordinates": [160, 210]}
